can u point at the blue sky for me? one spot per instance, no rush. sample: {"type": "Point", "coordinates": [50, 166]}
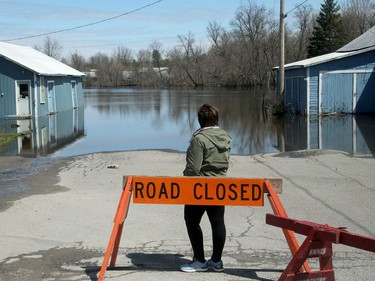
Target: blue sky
{"type": "Point", "coordinates": [147, 22]}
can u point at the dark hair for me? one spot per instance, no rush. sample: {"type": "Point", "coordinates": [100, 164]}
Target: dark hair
{"type": "Point", "coordinates": [208, 115]}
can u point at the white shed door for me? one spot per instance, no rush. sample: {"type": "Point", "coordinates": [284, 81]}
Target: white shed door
{"type": "Point", "coordinates": [23, 97]}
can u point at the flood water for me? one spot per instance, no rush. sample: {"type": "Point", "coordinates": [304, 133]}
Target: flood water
{"type": "Point", "coordinates": [138, 119]}
{"type": "Point", "coordinates": [130, 119]}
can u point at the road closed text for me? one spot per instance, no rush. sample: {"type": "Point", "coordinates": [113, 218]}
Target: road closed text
{"type": "Point", "coordinates": [198, 191]}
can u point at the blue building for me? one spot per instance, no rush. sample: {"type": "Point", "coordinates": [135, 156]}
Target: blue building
{"type": "Point", "coordinates": [33, 84]}
{"type": "Point", "coordinates": [339, 82]}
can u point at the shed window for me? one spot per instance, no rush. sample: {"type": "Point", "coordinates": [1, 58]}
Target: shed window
{"type": "Point", "coordinates": [24, 90]}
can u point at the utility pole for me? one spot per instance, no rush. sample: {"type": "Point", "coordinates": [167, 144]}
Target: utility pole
{"type": "Point", "coordinates": [281, 51]}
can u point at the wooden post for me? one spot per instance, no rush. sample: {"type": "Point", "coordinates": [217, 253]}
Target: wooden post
{"type": "Point", "coordinates": [281, 51]}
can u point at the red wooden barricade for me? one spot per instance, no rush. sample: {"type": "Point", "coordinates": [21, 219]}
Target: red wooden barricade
{"type": "Point", "coordinates": [318, 244]}
{"type": "Point", "coordinates": [279, 210]}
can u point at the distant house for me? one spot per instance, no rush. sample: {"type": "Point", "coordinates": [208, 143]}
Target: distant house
{"type": "Point", "coordinates": [339, 82]}
{"type": "Point", "coordinates": [33, 84]}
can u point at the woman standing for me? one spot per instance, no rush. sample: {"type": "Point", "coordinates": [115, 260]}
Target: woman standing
{"type": "Point", "coordinates": [208, 156]}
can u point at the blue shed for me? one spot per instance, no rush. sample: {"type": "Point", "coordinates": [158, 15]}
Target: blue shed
{"type": "Point", "coordinates": [33, 84]}
{"type": "Point", "coordinates": [339, 82]}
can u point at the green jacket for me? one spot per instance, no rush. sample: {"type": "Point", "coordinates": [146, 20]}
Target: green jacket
{"type": "Point", "coordinates": [208, 153]}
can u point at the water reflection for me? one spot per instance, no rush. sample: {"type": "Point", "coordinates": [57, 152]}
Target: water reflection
{"type": "Point", "coordinates": [127, 119]}
{"type": "Point", "coordinates": [134, 119]}
{"type": "Point", "coordinates": [352, 134]}
{"type": "Point", "coordinates": [43, 135]}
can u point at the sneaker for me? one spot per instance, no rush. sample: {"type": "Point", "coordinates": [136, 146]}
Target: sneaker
{"type": "Point", "coordinates": [216, 266]}
{"type": "Point", "coordinates": [194, 266]}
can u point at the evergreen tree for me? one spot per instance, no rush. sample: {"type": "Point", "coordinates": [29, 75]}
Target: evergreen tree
{"type": "Point", "coordinates": [328, 34]}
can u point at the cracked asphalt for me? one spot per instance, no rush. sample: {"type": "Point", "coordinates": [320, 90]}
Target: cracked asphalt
{"type": "Point", "coordinates": [56, 218]}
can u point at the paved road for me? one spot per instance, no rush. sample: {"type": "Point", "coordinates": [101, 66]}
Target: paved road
{"type": "Point", "coordinates": [58, 228]}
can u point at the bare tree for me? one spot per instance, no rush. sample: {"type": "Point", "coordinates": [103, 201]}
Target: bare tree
{"type": "Point", "coordinates": [305, 23]}
{"type": "Point", "coordinates": [251, 26]}
{"type": "Point", "coordinates": [175, 56]}
{"type": "Point", "coordinates": [142, 68]}
{"type": "Point", "coordinates": [215, 32]}
{"type": "Point", "coordinates": [144, 58]}
{"type": "Point", "coordinates": [123, 55]}
{"type": "Point", "coordinates": [218, 58]}
{"type": "Point", "coordinates": [51, 47]}
{"type": "Point", "coordinates": [192, 61]}
{"type": "Point", "coordinates": [358, 16]}
{"type": "Point", "coordinates": [108, 71]}
{"type": "Point", "coordinates": [77, 61]}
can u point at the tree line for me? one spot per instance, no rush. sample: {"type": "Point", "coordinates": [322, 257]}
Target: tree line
{"type": "Point", "coordinates": [242, 55]}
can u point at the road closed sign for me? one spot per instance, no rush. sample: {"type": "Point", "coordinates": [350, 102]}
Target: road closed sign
{"type": "Point", "coordinates": [198, 191]}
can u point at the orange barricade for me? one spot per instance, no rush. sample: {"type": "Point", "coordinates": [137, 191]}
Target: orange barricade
{"type": "Point", "coordinates": [196, 191]}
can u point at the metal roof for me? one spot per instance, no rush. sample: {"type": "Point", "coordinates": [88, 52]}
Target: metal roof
{"type": "Point", "coordinates": [316, 60]}
{"type": "Point", "coordinates": [36, 61]}
{"type": "Point", "coordinates": [363, 43]}
{"type": "Point", "coordinates": [324, 58]}
{"type": "Point", "coordinates": [366, 40]}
